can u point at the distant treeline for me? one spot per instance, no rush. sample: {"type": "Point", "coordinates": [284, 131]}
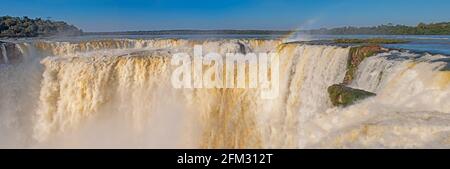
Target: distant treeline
{"type": "Point", "coordinates": [26, 27]}
{"type": "Point", "coordinates": [442, 28]}
{"type": "Point", "coordinates": [195, 32]}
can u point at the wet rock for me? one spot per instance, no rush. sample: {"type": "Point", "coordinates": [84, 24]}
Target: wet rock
{"type": "Point", "coordinates": [9, 53]}
{"type": "Point", "coordinates": [341, 95]}
{"type": "Point", "coordinates": [357, 55]}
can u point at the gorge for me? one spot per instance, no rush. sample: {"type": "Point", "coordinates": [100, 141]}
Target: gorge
{"type": "Point", "coordinates": [118, 93]}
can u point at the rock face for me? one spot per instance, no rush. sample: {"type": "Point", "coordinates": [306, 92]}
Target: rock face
{"type": "Point", "coordinates": [357, 55]}
{"type": "Point", "coordinates": [9, 53]}
{"type": "Point", "coordinates": [341, 95]}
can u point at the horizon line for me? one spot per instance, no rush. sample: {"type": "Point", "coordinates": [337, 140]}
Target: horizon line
{"type": "Point", "coordinates": [240, 29]}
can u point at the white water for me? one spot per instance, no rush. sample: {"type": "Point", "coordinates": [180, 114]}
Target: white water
{"type": "Point", "coordinates": [4, 53]}
{"type": "Point", "coordinates": [118, 94]}
{"type": "Point", "coordinates": [19, 92]}
{"type": "Point", "coordinates": [411, 109]}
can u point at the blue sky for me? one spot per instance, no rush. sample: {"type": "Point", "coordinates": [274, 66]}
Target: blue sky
{"type": "Point", "coordinates": [120, 15]}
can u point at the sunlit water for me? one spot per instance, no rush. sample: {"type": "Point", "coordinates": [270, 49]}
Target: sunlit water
{"type": "Point", "coordinates": [99, 92]}
{"type": "Point", "coordinates": [438, 44]}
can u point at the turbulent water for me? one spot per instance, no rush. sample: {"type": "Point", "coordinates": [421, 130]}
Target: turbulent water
{"type": "Point", "coordinates": [118, 93]}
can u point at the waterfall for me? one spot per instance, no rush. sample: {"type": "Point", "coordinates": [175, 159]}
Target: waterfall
{"type": "Point", "coordinates": [118, 93]}
{"type": "Point", "coordinates": [411, 108]}
{"type": "Point", "coordinates": [78, 88]}
{"type": "Point", "coordinates": [307, 71]}
{"type": "Point", "coordinates": [19, 88]}
{"type": "Point", "coordinates": [4, 53]}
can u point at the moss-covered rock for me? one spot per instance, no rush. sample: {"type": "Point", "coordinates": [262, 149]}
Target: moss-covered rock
{"type": "Point", "coordinates": [341, 95]}
{"type": "Point", "coordinates": [356, 56]}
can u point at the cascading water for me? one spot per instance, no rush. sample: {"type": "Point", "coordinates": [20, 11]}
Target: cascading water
{"type": "Point", "coordinates": [118, 93]}
{"type": "Point", "coordinates": [19, 90]}
{"type": "Point", "coordinates": [411, 108]}
{"type": "Point", "coordinates": [4, 53]}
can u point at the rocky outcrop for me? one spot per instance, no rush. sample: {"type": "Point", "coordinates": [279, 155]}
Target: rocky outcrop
{"type": "Point", "coordinates": [9, 53]}
{"type": "Point", "coordinates": [341, 95]}
{"type": "Point", "coordinates": [357, 55]}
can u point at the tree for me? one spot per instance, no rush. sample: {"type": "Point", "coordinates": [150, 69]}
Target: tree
{"type": "Point", "coordinates": [26, 27]}
{"type": "Point", "coordinates": [442, 28]}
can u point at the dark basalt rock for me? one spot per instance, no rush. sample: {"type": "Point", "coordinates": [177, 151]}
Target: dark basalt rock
{"type": "Point", "coordinates": [357, 55]}
{"type": "Point", "coordinates": [341, 95]}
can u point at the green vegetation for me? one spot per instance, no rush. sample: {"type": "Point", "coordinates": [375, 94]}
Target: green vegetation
{"type": "Point", "coordinates": [370, 41]}
{"type": "Point", "coordinates": [26, 27]}
{"type": "Point", "coordinates": [442, 28]}
{"type": "Point", "coordinates": [341, 95]}
{"type": "Point", "coordinates": [356, 56]}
